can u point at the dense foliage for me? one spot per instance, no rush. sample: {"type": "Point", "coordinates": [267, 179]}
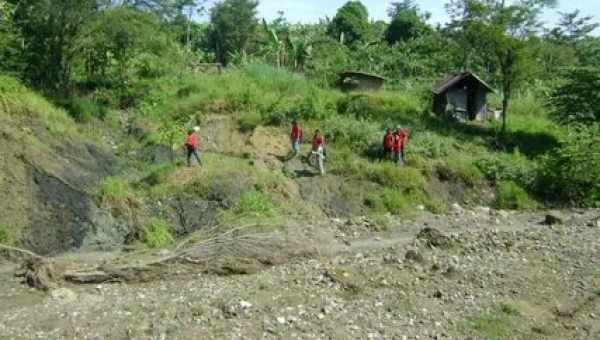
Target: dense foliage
{"type": "Point", "coordinates": [150, 57]}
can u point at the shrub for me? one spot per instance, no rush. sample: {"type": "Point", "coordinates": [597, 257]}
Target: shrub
{"type": "Point", "coordinates": [249, 121]}
{"type": "Point", "coordinates": [84, 109]}
{"type": "Point", "coordinates": [157, 176]}
{"type": "Point", "coordinates": [460, 168]}
{"type": "Point", "coordinates": [571, 173]}
{"type": "Point", "coordinates": [117, 195]}
{"type": "Point", "coordinates": [157, 234]}
{"type": "Point", "coordinates": [405, 179]}
{"type": "Point", "coordinates": [357, 134]}
{"type": "Point", "coordinates": [256, 204]}
{"type": "Point", "coordinates": [513, 167]}
{"type": "Point", "coordinates": [510, 195]}
{"type": "Point", "coordinates": [431, 145]}
{"type": "Point", "coordinates": [389, 200]}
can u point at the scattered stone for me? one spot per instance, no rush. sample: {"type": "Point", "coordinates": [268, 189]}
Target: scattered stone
{"type": "Point", "coordinates": [457, 209]}
{"type": "Point", "coordinates": [63, 295]}
{"type": "Point", "coordinates": [236, 308]}
{"type": "Point", "coordinates": [552, 220]}
{"type": "Point", "coordinates": [594, 223]}
{"type": "Point", "coordinates": [451, 272]}
{"type": "Point", "coordinates": [414, 256]}
{"type": "Point", "coordinates": [434, 238]}
{"type": "Point", "coordinates": [438, 294]}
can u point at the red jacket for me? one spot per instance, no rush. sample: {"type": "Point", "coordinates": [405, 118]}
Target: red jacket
{"type": "Point", "coordinates": [400, 140]}
{"type": "Point", "coordinates": [296, 132]}
{"type": "Point", "coordinates": [192, 141]}
{"type": "Point", "coordinates": [388, 141]}
{"type": "Point", "coordinates": [318, 141]}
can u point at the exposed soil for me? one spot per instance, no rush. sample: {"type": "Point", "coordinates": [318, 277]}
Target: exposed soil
{"type": "Point", "coordinates": [472, 274]}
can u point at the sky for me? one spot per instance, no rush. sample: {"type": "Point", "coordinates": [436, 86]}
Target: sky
{"type": "Point", "coordinates": [307, 11]}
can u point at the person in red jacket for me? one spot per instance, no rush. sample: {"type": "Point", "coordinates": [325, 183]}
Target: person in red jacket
{"type": "Point", "coordinates": [318, 150]}
{"type": "Point", "coordinates": [388, 145]}
{"type": "Point", "coordinates": [192, 146]}
{"type": "Point", "coordinates": [296, 138]}
{"type": "Point", "coordinates": [400, 142]}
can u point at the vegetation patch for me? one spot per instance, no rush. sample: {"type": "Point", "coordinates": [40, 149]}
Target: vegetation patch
{"type": "Point", "coordinates": [255, 204]}
{"type": "Point", "coordinates": [4, 234]}
{"type": "Point", "coordinates": [497, 324]}
{"type": "Point", "coordinates": [116, 194]}
{"type": "Point", "coordinates": [157, 234]}
{"type": "Point", "coordinates": [509, 195]}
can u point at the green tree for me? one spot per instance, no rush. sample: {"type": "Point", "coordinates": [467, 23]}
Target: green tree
{"type": "Point", "coordinates": [572, 27]}
{"type": "Point", "coordinates": [501, 32]}
{"type": "Point", "coordinates": [407, 22]}
{"type": "Point", "coordinates": [233, 24]}
{"type": "Point", "coordinates": [577, 99]}
{"type": "Point", "coordinates": [588, 51]}
{"type": "Point", "coordinates": [120, 44]}
{"type": "Point", "coordinates": [168, 9]}
{"type": "Point", "coordinates": [350, 24]}
{"type": "Point", "coordinates": [50, 29]}
{"type": "Point", "coordinates": [10, 47]}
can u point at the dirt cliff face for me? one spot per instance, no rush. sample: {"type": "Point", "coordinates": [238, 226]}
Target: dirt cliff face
{"type": "Point", "coordinates": [46, 182]}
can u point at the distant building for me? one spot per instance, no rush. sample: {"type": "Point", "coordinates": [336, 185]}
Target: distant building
{"type": "Point", "coordinates": [359, 81]}
{"type": "Point", "coordinates": [463, 96]}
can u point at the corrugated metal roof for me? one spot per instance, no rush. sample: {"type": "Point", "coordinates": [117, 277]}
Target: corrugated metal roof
{"type": "Point", "coordinates": [452, 80]}
{"type": "Point", "coordinates": [351, 73]}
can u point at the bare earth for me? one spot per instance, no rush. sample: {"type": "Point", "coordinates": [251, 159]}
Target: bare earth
{"type": "Point", "coordinates": [489, 275]}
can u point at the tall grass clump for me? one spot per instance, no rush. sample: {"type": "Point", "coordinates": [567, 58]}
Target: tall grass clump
{"type": "Point", "coordinates": [509, 195]}
{"type": "Point", "coordinates": [157, 234]}
{"type": "Point", "coordinates": [116, 194]}
{"type": "Point", "coordinates": [392, 108]}
{"type": "Point", "coordinates": [255, 204]}
{"type": "Point", "coordinates": [460, 168]}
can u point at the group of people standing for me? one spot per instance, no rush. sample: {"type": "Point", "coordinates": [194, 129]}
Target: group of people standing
{"type": "Point", "coordinates": [394, 145]}
{"type": "Point", "coordinates": [318, 151]}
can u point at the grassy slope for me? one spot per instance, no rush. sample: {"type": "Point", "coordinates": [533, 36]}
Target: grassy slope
{"type": "Point", "coordinates": [38, 141]}
{"type": "Point", "coordinates": [244, 115]}
{"type": "Point", "coordinates": [448, 162]}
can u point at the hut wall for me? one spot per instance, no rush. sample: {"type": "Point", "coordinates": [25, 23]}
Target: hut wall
{"type": "Point", "coordinates": [481, 104]}
{"type": "Point", "coordinates": [457, 99]}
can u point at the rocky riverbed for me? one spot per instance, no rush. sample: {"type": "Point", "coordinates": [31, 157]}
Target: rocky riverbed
{"type": "Point", "coordinates": [471, 274]}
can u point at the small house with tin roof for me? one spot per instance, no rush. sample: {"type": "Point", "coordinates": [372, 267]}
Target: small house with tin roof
{"type": "Point", "coordinates": [462, 96]}
{"type": "Point", "coordinates": [360, 81]}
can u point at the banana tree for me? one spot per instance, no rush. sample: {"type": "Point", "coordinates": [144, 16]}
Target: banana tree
{"type": "Point", "coordinates": [300, 52]}
{"type": "Point", "coordinates": [276, 46]}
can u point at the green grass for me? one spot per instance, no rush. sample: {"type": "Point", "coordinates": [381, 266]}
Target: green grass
{"type": "Point", "coordinates": [4, 234]}
{"type": "Point", "coordinates": [157, 234]}
{"type": "Point", "coordinates": [510, 195]}
{"type": "Point", "coordinates": [497, 324]}
{"type": "Point", "coordinates": [249, 121]}
{"type": "Point", "coordinates": [255, 204]}
{"type": "Point", "coordinates": [21, 103]}
{"type": "Point", "coordinates": [116, 194]}
{"type": "Point", "coordinates": [460, 168]}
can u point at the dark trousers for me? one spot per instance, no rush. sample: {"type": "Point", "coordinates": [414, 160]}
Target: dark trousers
{"type": "Point", "coordinates": [192, 152]}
